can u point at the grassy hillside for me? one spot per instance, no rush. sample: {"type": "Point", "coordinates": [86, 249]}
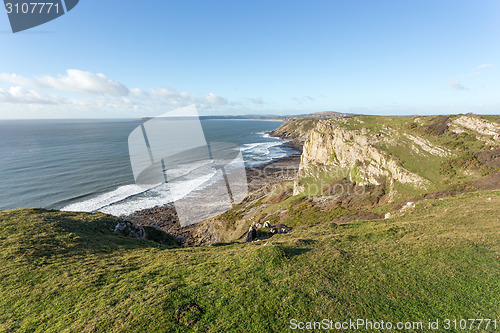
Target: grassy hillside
{"type": "Point", "coordinates": [446, 153]}
{"type": "Point", "coordinates": [67, 272]}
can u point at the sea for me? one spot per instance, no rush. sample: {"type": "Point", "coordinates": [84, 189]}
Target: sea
{"type": "Point", "coordinates": [84, 165]}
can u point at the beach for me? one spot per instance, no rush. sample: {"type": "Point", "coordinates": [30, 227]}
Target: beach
{"type": "Point", "coordinates": [165, 217]}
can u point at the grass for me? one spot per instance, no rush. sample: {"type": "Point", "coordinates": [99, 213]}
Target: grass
{"type": "Point", "coordinates": [66, 272]}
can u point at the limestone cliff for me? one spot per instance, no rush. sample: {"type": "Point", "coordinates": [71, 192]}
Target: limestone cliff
{"type": "Point", "coordinates": [354, 168]}
{"type": "Point", "coordinates": [483, 130]}
{"type": "Point", "coordinates": [353, 154]}
{"type": "Point", "coordinates": [295, 128]}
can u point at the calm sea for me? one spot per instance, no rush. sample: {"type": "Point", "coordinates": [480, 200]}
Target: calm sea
{"type": "Point", "coordinates": [84, 165]}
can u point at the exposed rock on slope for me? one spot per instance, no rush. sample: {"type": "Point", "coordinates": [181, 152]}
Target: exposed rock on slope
{"type": "Point", "coordinates": [486, 130]}
{"type": "Point", "coordinates": [427, 146]}
{"type": "Point", "coordinates": [329, 145]}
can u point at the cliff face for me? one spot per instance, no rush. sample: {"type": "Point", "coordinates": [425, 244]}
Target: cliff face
{"type": "Point", "coordinates": [353, 168]}
{"type": "Point", "coordinates": [409, 155]}
{"type": "Point", "coordinates": [483, 130]}
{"type": "Point", "coordinates": [331, 148]}
{"type": "Point", "coordinates": [295, 128]}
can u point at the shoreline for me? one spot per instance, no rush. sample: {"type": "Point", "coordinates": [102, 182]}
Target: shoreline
{"type": "Point", "coordinates": [165, 217]}
{"type": "Point", "coordinates": [251, 119]}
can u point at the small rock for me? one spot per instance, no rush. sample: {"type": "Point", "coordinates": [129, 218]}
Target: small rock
{"type": "Point", "coordinates": [409, 204]}
{"type": "Point", "coordinates": [387, 216]}
{"type": "Point", "coordinates": [129, 229]}
{"type": "Point", "coordinates": [267, 224]}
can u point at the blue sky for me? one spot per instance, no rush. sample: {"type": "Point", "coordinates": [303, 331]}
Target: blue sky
{"type": "Point", "coordinates": [130, 59]}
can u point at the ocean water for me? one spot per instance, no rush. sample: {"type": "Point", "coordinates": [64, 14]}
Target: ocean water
{"type": "Point", "coordinates": [84, 165]}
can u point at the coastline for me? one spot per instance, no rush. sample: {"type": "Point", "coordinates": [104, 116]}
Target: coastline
{"type": "Point", "coordinates": [165, 217]}
{"type": "Point", "coordinates": [251, 119]}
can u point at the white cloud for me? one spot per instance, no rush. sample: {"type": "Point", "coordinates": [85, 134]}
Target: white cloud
{"type": "Point", "coordinates": [74, 81]}
{"type": "Point", "coordinates": [20, 95]}
{"type": "Point", "coordinates": [88, 91]}
{"type": "Point", "coordinates": [139, 93]}
{"type": "Point", "coordinates": [304, 99]}
{"type": "Point", "coordinates": [484, 66]}
{"type": "Point", "coordinates": [182, 98]}
{"type": "Point", "coordinates": [173, 97]}
{"type": "Point", "coordinates": [84, 82]}
{"type": "Point", "coordinates": [456, 84]}
{"type": "Point", "coordinates": [215, 100]}
{"type": "Point", "coordinates": [19, 80]}
{"type": "Point", "coordinates": [479, 69]}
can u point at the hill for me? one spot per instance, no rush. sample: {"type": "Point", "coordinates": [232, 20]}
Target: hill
{"type": "Point", "coordinates": [393, 218]}
{"type": "Point", "coordinates": [68, 272]}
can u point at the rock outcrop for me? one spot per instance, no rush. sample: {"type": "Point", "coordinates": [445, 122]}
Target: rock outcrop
{"type": "Point", "coordinates": [479, 125]}
{"type": "Point", "coordinates": [155, 234]}
{"type": "Point", "coordinates": [295, 128]}
{"type": "Point", "coordinates": [484, 130]}
{"type": "Point", "coordinates": [352, 154]}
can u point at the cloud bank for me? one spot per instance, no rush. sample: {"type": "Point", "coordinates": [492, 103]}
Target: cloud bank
{"type": "Point", "coordinates": [83, 89]}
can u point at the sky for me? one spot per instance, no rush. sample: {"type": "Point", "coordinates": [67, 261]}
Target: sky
{"type": "Point", "coordinates": [126, 59]}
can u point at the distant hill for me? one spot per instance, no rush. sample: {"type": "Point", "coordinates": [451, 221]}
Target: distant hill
{"type": "Point", "coordinates": [231, 117]}
{"type": "Point", "coordinates": [323, 114]}
{"type": "Point", "coordinates": [331, 114]}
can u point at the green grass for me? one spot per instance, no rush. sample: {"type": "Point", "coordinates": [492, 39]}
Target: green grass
{"type": "Point", "coordinates": [317, 178]}
{"type": "Point", "coordinates": [66, 272]}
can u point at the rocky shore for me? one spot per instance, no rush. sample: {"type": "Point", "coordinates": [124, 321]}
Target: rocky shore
{"type": "Point", "coordinates": [165, 217]}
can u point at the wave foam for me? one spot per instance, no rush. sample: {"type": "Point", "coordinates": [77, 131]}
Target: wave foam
{"type": "Point", "coordinates": [128, 199]}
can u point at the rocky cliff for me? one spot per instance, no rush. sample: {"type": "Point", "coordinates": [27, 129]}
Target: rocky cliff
{"type": "Point", "coordinates": [353, 154]}
{"type": "Point", "coordinates": [367, 167]}
{"type": "Point", "coordinates": [295, 128]}
{"type": "Point", "coordinates": [400, 152]}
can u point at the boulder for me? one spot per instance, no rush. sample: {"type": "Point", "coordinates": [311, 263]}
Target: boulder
{"type": "Point", "coordinates": [129, 229]}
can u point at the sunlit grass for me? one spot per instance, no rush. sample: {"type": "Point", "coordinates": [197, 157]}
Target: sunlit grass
{"type": "Point", "coordinates": [68, 272]}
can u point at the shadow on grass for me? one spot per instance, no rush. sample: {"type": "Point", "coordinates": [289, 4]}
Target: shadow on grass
{"type": "Point", "coordinates": [294, 251]}
{"type": "Point", "coordinates": [219, 244]}
{"type": "Point", "coordinates": [38, 234]}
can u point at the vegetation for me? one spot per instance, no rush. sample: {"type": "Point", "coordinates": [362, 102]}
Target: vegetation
{"type": "Point", "coordinates": [433, 260]}
{"type": "Point", "coordinates": [69, 272]}
{"type": "Point", "coordinates": [452, 164]}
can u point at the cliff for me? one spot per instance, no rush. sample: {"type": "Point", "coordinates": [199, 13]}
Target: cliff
{"type": "Point", "coordinates": [295, 128]}
{"type": "Point", "coordinates": [352, 154]}
{"type": "Point", "coordinates": [408, 155]}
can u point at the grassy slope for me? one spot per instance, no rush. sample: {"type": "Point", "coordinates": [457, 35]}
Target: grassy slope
{"type": "Point", "coordinates": [426, 165]}
{"type": "Point", "coordinates": [67, 272]}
